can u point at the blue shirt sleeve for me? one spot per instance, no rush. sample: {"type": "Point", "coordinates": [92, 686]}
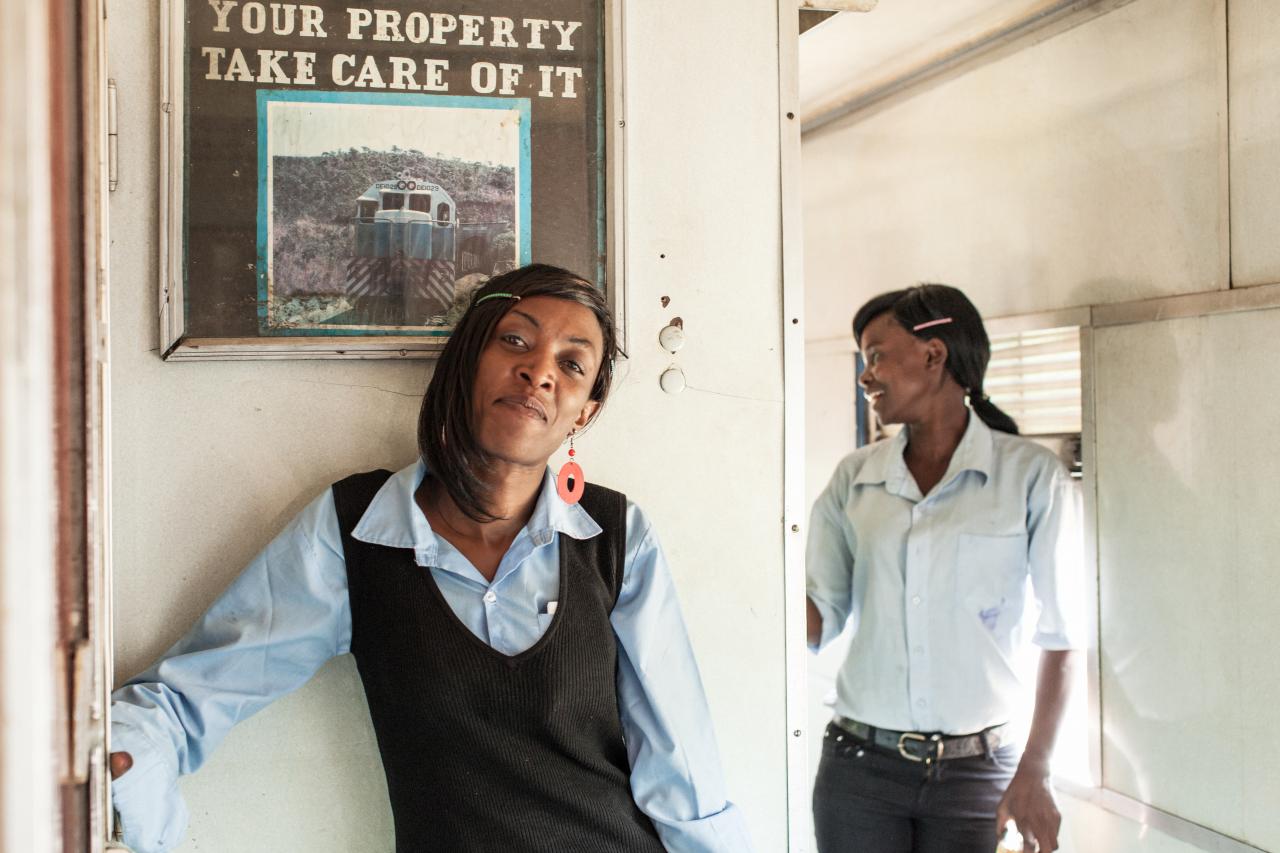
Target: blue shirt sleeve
{"type": "Point", "coordinates": [274, 627]}
{"type": "Point", "coordinates": [1055, 559]}
{"type": "Point", "coordinates": [828, 558]}
{"type": "Point", "coordinates": [676, 778]}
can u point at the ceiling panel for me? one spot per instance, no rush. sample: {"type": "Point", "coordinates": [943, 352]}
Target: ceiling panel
{"type": "Point", "coordinates": [851, 47]}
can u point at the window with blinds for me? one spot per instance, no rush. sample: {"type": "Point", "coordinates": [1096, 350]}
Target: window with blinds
{"type": "Point", "coordinates": [1035, 377]}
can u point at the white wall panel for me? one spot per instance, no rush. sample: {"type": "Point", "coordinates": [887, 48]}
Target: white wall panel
{"type": "Point", "coordinates": [830, 428]}
{"type": "Point", "coordinates": [1254, 31]}
{"type": "Point", "coordinates": [830, 435]}
{"type": "Point", "coordinates": [32, 563]}
{"type": "Point", "coordinates": [212, 459]}
{"type": "Point", "coordinates": [1087, 168]}
{"type": "Point", "coordinates": [703, 190]}
{"type": "Point", "coordinates": [1090, 829]}
{"type": "Point", "coordinates": [1188, 480]}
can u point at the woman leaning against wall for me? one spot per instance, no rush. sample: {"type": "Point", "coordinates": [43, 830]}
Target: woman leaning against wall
{"type": "Point", "coordinates": [528, 672]}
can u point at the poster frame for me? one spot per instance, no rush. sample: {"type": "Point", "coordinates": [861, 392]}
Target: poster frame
{"type": "Point", "coordinates": [177, 345]}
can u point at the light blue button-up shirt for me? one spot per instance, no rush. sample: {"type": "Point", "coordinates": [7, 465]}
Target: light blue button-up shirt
{"type": "Point", "coordinates": [288, 613]}
{"type": "Point", "coordinates": [935, 586]}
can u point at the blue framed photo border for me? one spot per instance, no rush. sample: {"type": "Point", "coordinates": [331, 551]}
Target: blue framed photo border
{"type": "Point", "coordinates": [524, 199]}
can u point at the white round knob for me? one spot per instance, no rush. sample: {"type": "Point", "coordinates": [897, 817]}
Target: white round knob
{"type": "Point", "coordinates": [672, 380]}
{"type": "Point", "coordinates": [671, 338]}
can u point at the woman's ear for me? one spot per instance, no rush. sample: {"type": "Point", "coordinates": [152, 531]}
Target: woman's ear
{"type": "Point", "coordinates": [588, 412]}
{"type": "Point", "coordinates": [935, 354]}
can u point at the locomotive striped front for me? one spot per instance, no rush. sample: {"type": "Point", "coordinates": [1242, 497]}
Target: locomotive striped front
{"type": "Point", "coordinates": [403, 271]}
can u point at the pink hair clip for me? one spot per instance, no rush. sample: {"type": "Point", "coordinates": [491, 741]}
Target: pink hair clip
{"type": "Point", "coordinates": [926, 325]}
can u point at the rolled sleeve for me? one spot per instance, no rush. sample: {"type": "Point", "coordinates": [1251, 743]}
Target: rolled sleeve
{"type": "Point", "coordinates": [829, 559]}
{"type": "Point", "coordinates": [676, 777]}
{"type": "Point", "coordinates": [153, 814]}
{"type": "Point", "coordinates": [1055, 560]}
{"type": "Point", "coordinates": [721, 832]}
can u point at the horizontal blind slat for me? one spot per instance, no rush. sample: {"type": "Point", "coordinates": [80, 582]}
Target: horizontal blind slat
{"type": "Point", "coordinates": [1035, 378]}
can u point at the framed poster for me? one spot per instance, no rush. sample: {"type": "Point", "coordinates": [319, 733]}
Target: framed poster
{"type": "Point", "coordinates": [338, 177]}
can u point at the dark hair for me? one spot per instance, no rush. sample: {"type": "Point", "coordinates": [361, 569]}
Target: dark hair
{"type": "Point", "coordinates": [968, 348]}
{"type": "Point", "coordinates": [446, 435]}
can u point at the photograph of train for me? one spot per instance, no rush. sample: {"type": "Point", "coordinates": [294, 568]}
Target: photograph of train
{"type": "Point", "coordinates": [366, 231]}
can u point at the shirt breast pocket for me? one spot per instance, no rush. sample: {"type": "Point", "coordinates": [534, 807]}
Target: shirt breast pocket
{"type": "Point", "coordinates": [991, 574]}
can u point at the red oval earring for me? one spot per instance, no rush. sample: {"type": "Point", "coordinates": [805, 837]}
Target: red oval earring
{"type": "Point", "coordinates": [570, 483]}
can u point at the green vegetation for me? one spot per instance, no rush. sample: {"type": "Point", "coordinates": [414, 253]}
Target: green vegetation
{"type": "Point", "coordinates": [325, 187]}
{"type": "Point", "coordinates": [309, 256]}
{"type": "Point", "coordinates": [294, 311]}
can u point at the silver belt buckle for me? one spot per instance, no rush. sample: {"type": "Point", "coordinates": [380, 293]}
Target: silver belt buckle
{"type": "Point", "coordinates": [936, 740]}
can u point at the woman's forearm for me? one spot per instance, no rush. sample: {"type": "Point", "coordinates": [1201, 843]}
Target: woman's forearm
{"type": "Point", "coordinates": [1053, 688]}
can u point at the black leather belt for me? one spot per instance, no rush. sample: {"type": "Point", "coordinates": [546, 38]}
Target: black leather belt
{"type": "Point", "coordinates": [917, 746]}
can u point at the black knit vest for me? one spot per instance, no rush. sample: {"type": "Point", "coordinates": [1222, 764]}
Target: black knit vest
{"type": "Point", "coordinates": [485, 752]}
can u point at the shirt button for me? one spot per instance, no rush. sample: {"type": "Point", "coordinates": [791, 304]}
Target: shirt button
{"type": "Point", "coordinates": [918, 650]}
{"type": "Point", "coordinates": [490, 597]}
{"type": "Point", "coordinates": [915, 599]}
{"type": "Point", "coordinates": [920, 703]}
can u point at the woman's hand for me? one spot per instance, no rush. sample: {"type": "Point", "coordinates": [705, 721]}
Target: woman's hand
{"type": "Point", "coordinates": [1029, 798]}
{"type": "Point", "coordinates": [120, 763]}
{"type": "Point", "coordinates": [1030, 803]}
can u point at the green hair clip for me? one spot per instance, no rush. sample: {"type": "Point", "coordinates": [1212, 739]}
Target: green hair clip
{"type": "Point", "coordinates": [497, 296]}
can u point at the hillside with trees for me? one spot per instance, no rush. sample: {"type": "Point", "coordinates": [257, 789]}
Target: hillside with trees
{"type": "Point", "coordinates": [325, 187]}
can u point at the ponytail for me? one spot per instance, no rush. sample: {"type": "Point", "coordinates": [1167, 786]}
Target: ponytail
{"type": "Point", "coordinates": [991, 414]}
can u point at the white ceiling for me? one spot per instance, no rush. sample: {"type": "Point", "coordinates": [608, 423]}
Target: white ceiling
{"type": "Point", "coordinates": [851, 47]}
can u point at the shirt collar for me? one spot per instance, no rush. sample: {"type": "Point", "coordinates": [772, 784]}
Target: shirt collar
{"type": "Point", "coordinates": [974, 453]}
{"type": "Point", "coordinates": [883, 463]}
{"type": "Point", "coordinates": [887, 464]}
{"type": "Point", "coordinates": [393, 518]}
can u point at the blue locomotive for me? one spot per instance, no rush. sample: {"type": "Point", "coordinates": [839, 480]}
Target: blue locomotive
{"type": "Point", "coordinates": [402, 271]}
{"type": "Point", "coordinates": [410, 250]}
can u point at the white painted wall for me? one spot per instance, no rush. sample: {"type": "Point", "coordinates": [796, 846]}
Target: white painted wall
{"type": "Point", "coordinates": [1254, 63]}
{"type": "Point", "coordinates": [1088, 829]}
{"type": "Point", "coordinates": [1092, 168]}
{"type": "Point", "coordinates": [212, 459]}
{"type": "Point", "coordinates": [1188, 482]}
{"type": "Point", "coordinates": [1088, 168]}
{"type": "Point", "coordinates": [29, 564]}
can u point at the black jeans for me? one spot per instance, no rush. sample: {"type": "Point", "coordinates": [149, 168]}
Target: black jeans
{"type": "Point", "coordinates": [869, 800]}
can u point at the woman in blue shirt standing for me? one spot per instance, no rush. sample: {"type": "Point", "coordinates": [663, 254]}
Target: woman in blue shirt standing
{"type": "Point", "coordinates": [925, 543]}
{"type": "Point", "coordinates": [529, 676]}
